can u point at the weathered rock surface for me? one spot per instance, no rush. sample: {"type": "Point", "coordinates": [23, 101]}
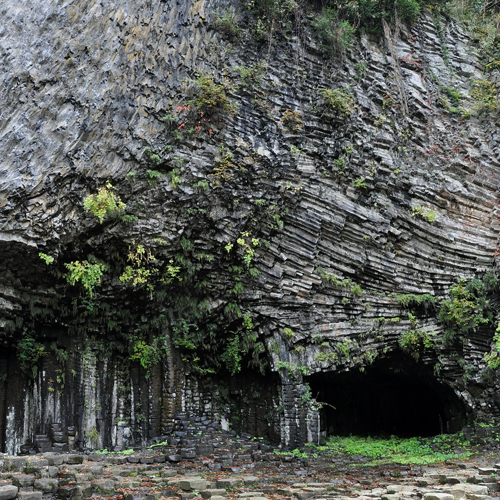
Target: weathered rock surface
{"type": "Point", "coordinates": [310, 204]}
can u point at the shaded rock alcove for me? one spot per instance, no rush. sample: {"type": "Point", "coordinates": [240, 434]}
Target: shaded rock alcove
{"type": "Point", "coordinates": [394, 396]}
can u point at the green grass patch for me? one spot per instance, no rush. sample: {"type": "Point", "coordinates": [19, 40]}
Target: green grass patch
{"type": "Point", "coordinates": [415, 450]}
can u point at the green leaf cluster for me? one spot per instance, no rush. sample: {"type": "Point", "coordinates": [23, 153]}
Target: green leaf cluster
{"type": "Point", "coordinates": [210, 96]}
{"type": "Point", "coordinates": [338, 101]}
{"type": "Point", "coordinates": [414, 450]}
{"type": "Point", "coordinates": [104, 202]}
{"type": "Point", "coordinates": [29, 352]}
{"type": "Point", "coordinates": [468, 306]}
{"type": "Point", "coordinates": [87, 273]}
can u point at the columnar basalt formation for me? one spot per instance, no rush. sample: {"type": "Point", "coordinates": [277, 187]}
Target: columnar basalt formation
{"type": "Point", "coordinates": [288, 234]}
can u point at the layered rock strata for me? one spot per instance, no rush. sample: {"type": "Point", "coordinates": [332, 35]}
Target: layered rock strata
{"type": "Point", "coordinates": [306, 221]}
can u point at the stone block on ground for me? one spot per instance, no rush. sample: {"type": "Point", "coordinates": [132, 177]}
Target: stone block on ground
{"type": "Point", "coordinates": [46, 485]}
{"type": "Point", "coordinates": [53, 459]}
{"type": "Point", "coordinates": [454, 480]}
{"type": "Point", "coordinates": [460, 490]}
{"type": "Point", "coordinates": [87, 489]}
{"type": "Point", "coordinates": [52, 471]}
{"type": "Point", "coordinates": [212, 493]}
{"type": "Point", "coordinates": [72, 459]}
{"type": "Point", "coordinates": [391, 496]}
{"type": "Point", "coordinates": [168, 473]}
{"type": "Point", "coordinates": [486, 471]}
{"type": "Point", "coordinates": [229, 482]}
{"type": "Point", "coordinates": [492, 487]}
{"type": "Point", "coordinates": [8, 492]}
{"type": "Point", "coordinates": [438, 496]}
{"type": "Point", "coordinates": [186, 496]}
{"type": "Point", "coordinates": [23, 480]}
{"type": "Point", "coordinates": [195, 484]}
{"type": "Point", "coordinates": [303, 495]}
{"type": "Point", "coordinates": [204, 450]}
{"type": "Point", "coordinates": [104, 486]}
{"type": "Point", "coordinates": [142, 496]}
{"type": "Point", "coordinates": [70, 493]}
{"type": "Point", "coordinates": [36, 462]}
{"type": "Point", "coordinates": [95, 471]}
{"type": "Point", "coordinates": [29, 495]}
{"type": "Point", "coordinates": [250, 480]}
{"type": "Point", "coordinates": [315, 490]}
{"type": "Point", "coordinates": [13, 464]}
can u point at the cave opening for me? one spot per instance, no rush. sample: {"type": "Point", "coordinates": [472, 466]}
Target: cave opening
{"type": "Point", "coordinates": [394, 396]}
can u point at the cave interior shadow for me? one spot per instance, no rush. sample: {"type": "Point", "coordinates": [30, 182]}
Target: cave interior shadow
{"type": "Point", "coordinates": [394, 396]}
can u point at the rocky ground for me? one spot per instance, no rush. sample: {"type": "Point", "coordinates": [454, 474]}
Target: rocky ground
{"type": "Point", "coordinates": [253, 471]}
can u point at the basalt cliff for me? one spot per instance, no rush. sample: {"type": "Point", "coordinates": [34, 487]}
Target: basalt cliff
{"type": "Point", "coordinates": [201, 220]}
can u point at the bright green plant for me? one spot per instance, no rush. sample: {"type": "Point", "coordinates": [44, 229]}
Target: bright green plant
{"type": "Point", "coordinates": [29, 352]}
{"type": "Point", "coordinates": [144, 270]}
{"type": "Point", "coordinates": [485, 95]}
{"type": "Point", "coordinates": [226, 22]}
{"type": "Point", "coordinates": [415, 340]}
{"type": "Point", "coordinates": [210, 96]}
{"type": "Point", "coordinates": [331, 279]}
{"type": "Point", "coordinates": [251, 75]}
{"type": "Point", "coordinates": [174, 177]}
{"type": "Point", "coordinates": [493, 358]}
{"type": "Point", "coordinates": [336, 34]}
{"type": "Point", "coordinates": [359, 183]}
{"type": "Point", "coordinates": [87, 273]}
{"type": "Point", "coordinates": [153, 176]}
{"type": "Point", "coordinates": [203, 185]}
{"type": "Point", "coordinates": [293, 369]}
{"type": "Point", "coordinates": [248, 243]}
{"type": "Point", "coordinates": [338, 101]}
{"type": "Point", "coordinates": [418, 451]}
{"type": "Point", "coordinates": [344, 348]}
{"type": "Point", "coordinates": [148, 354]}
{"type": "Point", "coordinates": [104, 202]}
{"type": "Point", "coordinates": [93, 435]}
{"type": "Point", "coordinates": [271, 14]}
{"type": "Point", "coordinates": [410, 299]}
{"type": "Point", "coordinates": [225, 167]}
{"type": "Point", "coordinates": [326, 357]}
{"type": "Point", "coordinates": [294, 453]}
{"type": "Point", "coordinates": [408, 10]}
{"type": "Point", "coordinates": [468, 306]}
{"type": "Point", "coordinates": [424, 213]}
{"type": "Point", "coordinates": [232, 355]}
{"type": "Point", "coordinates": [46, 258]}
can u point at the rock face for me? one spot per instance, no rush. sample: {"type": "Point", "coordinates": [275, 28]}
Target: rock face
{"type": "Point", "coordinates": [279, 245]}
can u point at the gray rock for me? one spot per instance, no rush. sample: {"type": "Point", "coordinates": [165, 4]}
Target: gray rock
{"type": "Point", "coordinates": [30, 495]}
{"type": "Point", "coordinates": [8, 492]}
{"type": "Point", "coordinates": [197, 484]}
{"type": "Point", "coordinates": [438, 496]}
{"type": "Point", "coordinates": [46, 485]}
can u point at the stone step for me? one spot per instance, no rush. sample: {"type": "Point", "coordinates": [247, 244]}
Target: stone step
{"type": "Point", "coordinates": [8, 492]}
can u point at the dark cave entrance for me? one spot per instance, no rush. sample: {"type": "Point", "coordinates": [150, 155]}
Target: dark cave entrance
{"type": "Point", "coordinates": [394, 396]}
